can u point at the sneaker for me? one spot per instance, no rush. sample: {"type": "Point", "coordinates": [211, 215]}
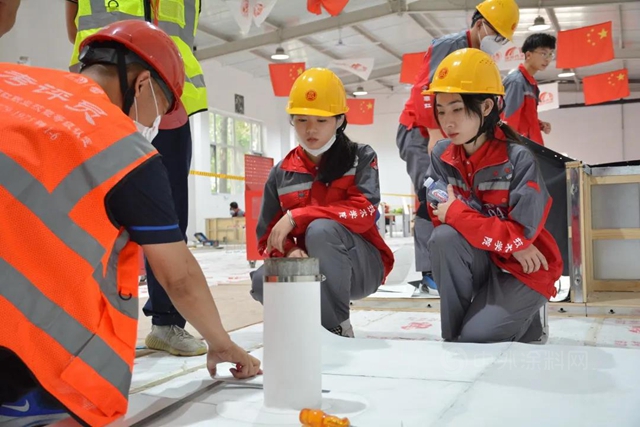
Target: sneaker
{"type": "Point", "coordinates": [344, 329]}
{"type": "Point", "coordinates": [34, 409]}
{"type": "Point", "coordinates": [429, 285]}
{"type": "Point", "coordinates": [175, 340]}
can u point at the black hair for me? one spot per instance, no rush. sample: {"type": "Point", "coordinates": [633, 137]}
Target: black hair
{"type": "Point", "coordinates": [111, 53]}
{"type": "Point", "coordinates": [538, 40]}
{"type": "Point", "coordinates": [478, 16]}
{"type": "Point", "coordinates": [339, 158]}
{"type": "Point", "coordinates": [233, 205]}
{"type": "Point", "coordinates": [473, 106]}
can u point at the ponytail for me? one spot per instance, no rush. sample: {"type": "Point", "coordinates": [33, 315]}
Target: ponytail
{"type": "Point", "coordinates": [339, 158]}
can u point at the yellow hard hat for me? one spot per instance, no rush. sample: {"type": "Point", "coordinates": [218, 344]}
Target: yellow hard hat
{"type": "Point", "coordinates": [467, 71]}
{"type": "Point", "coordinates": [503, 15]}
{"type": "Point", "coordinates": [317, 92]}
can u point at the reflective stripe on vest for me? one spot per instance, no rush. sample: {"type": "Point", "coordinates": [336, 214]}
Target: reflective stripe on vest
{"type": "Point", "coordinates": [28, 299]}
{"type": "Point", "coordinates": [64, 329]}
{"type": "Point", "coordinates": [100, 167]}
{"type": "Point", "coordinates": [180, 23]}
{"type": "Point", "coordinates": [68, 275]}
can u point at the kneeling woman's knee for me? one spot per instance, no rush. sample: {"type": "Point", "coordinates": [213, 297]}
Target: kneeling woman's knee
{"type": "Point", "coordinates": [320, 231]}
{"type": "Point", "coordinates": [443, 235]}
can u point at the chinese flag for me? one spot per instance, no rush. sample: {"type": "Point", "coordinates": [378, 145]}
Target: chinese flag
{"type": "Point", "coordinates": [585, 46]}
{"type": "Point", "coordinates": [411, 63]}
{"type": "Point", "coordinates": [283, 76]}
{"type": "Point", "coordinates": [360, 111]}
{"type": "Point", "coordinates": [334, 7]}
{"type": "Point", "coordinates": [606, 87]}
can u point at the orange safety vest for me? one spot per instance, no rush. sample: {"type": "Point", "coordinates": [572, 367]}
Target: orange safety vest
{"type": "Point", "coordinates": [68, 276]}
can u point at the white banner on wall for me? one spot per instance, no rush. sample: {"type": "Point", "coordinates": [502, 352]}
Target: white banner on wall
{"type": "Point", "coordinates": [549, 99]}
{"type": "Point", "coordinates": [509, 57]}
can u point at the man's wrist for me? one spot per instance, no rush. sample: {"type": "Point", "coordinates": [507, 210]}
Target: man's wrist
{"type": "Point", "coordinates": [220, 341]}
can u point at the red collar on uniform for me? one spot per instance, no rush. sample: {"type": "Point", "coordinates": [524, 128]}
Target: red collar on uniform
{"type": "Point", "coordinates": [526, 75]}
{"type": "Point", "coordinates": [492, 152]}
{"type": "Point", "coordinates": [297, 161]}
{"type": "Point", "coordinates": [469, 38]}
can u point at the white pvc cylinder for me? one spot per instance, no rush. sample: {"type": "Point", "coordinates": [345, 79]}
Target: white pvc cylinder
{"type": "Point", "coordinates": [292, 334]}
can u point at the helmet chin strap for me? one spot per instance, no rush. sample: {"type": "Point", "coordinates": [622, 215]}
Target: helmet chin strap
{"type": "Point", "coordinates": [480, 132]}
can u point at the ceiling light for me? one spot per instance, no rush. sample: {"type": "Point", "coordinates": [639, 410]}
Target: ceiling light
{"type": "Point", "coordinates": [539, 25]}
{"type": "Point", "coordinates": [360, 91]}
{"type": "Point", "coordinates": [566, 73]}
{"type": "Point", "coordinates": [280, 54]}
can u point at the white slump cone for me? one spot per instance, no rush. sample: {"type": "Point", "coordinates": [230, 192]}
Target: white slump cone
{"type": "Point", "coordinates": [292, 334]}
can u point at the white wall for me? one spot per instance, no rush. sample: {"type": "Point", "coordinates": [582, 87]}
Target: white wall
{"type": "Point", "coordinates": [39, 33]}
{"type": "Point", "coordinates": [381, 135]}
{"type": "Point", "coordinates": [260, 104]}
{"type": "Point", "coordinates": [595, 134]}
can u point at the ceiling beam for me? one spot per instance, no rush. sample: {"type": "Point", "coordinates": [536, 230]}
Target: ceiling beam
{"type": "Point", "coordinates": [360, 16]}
{"type": "Point", "coordinates": [382, 45]}
{"type": "Point", "coordinates": [213, 33]}
{"type": "Point", "coordinates": [419, 19]}
{"type": "Point", "coordinates": [311, 43]}
{"type": "Point", "coordinates": [432, 22]}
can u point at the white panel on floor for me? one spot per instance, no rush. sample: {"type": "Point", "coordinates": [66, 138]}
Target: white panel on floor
{"type": "Point", "coordinates": [577, 331]}
{"type": "Point", "coordinates": [623, 333]}
{"type": "Point", "coordinates": [159, 366]}
{"type": "Point", "coordinates": [406, 359]}
{"type": "Point", "coordinates": [403, 325]}
{"type": "Point", "coordinates": [552, 386]}
{"type": "Point", "coordinates": [380, 394]}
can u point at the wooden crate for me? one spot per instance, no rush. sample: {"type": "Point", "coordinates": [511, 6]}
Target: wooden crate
{"type": "Point", "coordinates": [227, 230]}
{"type": "Point", "coordinates": [606, 267]}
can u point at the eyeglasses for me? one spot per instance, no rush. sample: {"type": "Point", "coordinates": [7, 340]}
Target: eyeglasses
{"type": "Point", "coordinates": [496, 35]}
{"type": "Point", "coordinates": [546, 55]}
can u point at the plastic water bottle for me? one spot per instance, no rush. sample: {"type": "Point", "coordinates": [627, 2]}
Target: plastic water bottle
{"type": "Point", "coordinates": [436, 191]}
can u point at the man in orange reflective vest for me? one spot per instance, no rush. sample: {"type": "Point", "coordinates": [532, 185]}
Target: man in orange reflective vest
{"type": "Point", "coordinates": [72, 224]}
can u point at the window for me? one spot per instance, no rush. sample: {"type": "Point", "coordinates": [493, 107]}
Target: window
{"type": "Point", "coordinates": [230, 139]}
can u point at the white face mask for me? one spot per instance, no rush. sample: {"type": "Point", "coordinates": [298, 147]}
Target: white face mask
{"type": "Point", "coordinates": [488, 44]}
{"type": "Point", "coordinates": [149, 133]}
{"type": "Point", "coordinates": [316, 151]}
{"type": "Point", "coordinates": [324, 148]}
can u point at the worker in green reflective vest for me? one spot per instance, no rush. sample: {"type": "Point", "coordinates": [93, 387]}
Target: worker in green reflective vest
{"type": "Point", "coordinates": [179, 19]}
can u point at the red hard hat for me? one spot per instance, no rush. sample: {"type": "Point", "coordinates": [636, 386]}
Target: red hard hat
{"type": "Point", "coordinates": [153, 46]}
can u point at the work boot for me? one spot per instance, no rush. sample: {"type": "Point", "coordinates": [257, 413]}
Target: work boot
{"type": "Point", "coordinates": [175, 340]}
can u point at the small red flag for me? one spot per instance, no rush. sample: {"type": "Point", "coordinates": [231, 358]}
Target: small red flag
{"type": "Point", "coordinates": [606, 87]}
{"type": "Point", "coordinates": [283, 76]}
{"type": "Point", "coordinates": [585, 46]}
{"type": "Point", "coordinates": [360, 111]}
{"type": "Point", "coordinates": [411, 63]}
{"type": "Point", "coordinates": [334, 7]}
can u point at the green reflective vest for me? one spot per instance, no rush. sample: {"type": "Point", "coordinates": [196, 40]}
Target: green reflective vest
{"type": "Point", "coordinates": [178, 18]}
